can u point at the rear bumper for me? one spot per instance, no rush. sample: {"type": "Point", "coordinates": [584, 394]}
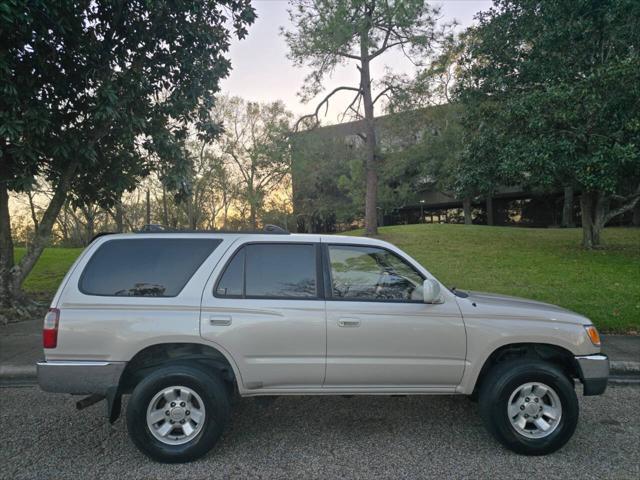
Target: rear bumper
{"type": "Point", "coordinates": [79, 378]}
{"type": "Point", "coordinates": [594, 373]}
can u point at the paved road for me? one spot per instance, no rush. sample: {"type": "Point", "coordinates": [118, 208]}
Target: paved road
{"type": "Point", "coordinates": [319, 437]}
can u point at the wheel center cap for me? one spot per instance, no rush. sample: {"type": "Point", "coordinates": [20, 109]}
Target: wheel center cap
{"type": "Point", "coordinates": [531, 409]}
{"type": "Point", "coordinates": [177, 414]}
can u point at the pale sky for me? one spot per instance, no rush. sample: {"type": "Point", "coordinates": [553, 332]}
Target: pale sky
{"type": "Point", "coordinates": [262, 72]}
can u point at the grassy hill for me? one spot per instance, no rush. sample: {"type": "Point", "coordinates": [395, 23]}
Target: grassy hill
{"type": "Point", "coordinates": [542, 264]}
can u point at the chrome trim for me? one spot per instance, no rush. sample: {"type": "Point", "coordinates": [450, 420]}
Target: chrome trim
{"type": "Point", "coordinates": [66, 363]}
{"type": "Point", "coordinates": [79, 377]}
{"type": "Point", "coordinates": [593, 366]}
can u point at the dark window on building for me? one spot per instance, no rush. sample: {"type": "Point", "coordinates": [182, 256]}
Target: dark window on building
{"type": "Point", "coordinates": [271, 271]}
{"type": "Point", "coordinates": [145, 267]}
{"type": "Point", "coordinates": [369, 273]}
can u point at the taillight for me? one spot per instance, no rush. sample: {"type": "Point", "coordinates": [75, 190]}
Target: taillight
{"type": "Point", "coordinates": [50, 328]}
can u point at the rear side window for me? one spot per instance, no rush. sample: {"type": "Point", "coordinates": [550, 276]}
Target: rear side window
{"type": "Point", "coordinates": [157, 267]}
{"type": "Point", "coordinates": [266, 270]}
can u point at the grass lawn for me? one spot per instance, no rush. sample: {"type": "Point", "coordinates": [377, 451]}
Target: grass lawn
{"type": "Point", "coordinates": [542, 264]}
{"type": "Point", "coordinates": [44, 279]}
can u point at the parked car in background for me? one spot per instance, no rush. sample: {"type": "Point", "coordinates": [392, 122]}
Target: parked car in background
{"type": "Point", "coordinates": [184, 321]}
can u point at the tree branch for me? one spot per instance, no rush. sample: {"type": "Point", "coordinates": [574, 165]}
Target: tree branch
{"type": "Point", "coordinates": [383, 92]}
{"type": "Point", "coordinates": [632, 199]}
{"type": "Point", "coordinates": [324, 101]}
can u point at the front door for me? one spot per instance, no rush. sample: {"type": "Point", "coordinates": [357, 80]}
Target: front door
{"type": "Point", "coordinates": [266, 309]}
{"type": "Point", "coordinates": [379, 331]}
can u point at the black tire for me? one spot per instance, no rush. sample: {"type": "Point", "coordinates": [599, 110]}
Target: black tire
{"type": "Point", "coordinates": [496, 390]}
{"type": "Point", "coordinates": [207, 385]}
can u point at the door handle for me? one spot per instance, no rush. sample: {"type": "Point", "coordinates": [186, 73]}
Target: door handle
{"type": "Point", "coordinates": [348, 322]}
{"type": "Point", "coordinates": [220, 321]}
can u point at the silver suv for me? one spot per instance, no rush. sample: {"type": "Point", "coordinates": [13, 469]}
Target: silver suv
{"type": "Point", "coordinates": [185, 321]}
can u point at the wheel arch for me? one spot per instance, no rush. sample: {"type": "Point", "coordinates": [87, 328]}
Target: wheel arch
{"type": "Point", "coordinates": [157, 355]}
{"type": "Point", "coordinates": [552, 353]}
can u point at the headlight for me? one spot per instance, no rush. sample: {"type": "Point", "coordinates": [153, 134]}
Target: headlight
{"type": "Point", "coordinates": [594, 336]}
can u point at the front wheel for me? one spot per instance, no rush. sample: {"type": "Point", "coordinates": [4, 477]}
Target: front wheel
{"type": "Point", "coordinates": [530, 406]}
{"type": "Point", "coordinates": [177, 413]}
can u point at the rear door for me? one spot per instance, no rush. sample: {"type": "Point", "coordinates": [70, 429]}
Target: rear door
{"type": "Point", "coordinates": [264, 305]}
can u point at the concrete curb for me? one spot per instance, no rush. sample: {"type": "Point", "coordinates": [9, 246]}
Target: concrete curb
{"type": "Point", "coordinates": [624, 367]}
{"type": "Point", "coordinates": [18, 372]}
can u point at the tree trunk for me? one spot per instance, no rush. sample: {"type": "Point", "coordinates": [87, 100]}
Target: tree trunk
{"type": "Point", "coordinates": [119, 217]}
{"type": "Point", "coordinates": [567, 208]}
{"type": "Point", "coordinates": [371, 167]}
{"type": "Point", "coordinates": [253, 216]}
{"type": "Point", "coordinates": [489, 210]}
{"type": "Point", "coordinates": [43, 234]}
{"type": "Point", "coordinates": [165, 207]}
{"type": "Point", "coordinates": [466, 207]}
{"type": "Point", "coordinates": [635, 221]}
{"type": "Point", "coordinates": [6, 249]}
{"type": "Point", "coordinates": [148, 216]}
{"type": "Point", "coordinates": [592, 211]}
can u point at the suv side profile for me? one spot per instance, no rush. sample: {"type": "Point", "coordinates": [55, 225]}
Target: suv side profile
{"type": "Point", "coordinates": [184, 321]}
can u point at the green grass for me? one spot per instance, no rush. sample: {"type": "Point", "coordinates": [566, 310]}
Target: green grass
{"type": "Point", "coordinates": [542, 264]}
{"type": "Point", "coordinates": [44, 279]}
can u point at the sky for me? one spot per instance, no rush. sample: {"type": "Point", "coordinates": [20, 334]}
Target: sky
{"type": "Point", "coordinates": [262, 72]}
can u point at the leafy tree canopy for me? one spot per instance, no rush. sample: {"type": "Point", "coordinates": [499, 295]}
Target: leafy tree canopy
{"type": "Point", "coordinates": [95, 94]}
{"type": "Point", "coordinates": [551, 92]}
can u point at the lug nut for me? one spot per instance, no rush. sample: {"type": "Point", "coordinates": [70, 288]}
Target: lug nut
{"type": "Point", "coordinates": [187, 412]}
{"type": "Point", "coordinates": [535, 416]}
{"type": "Point", "coordinates": [540, 409]}
{"type": "Point", "coordinates": [171, 422]}
{"type": "Point", "coordinates": [521, 408]}
{"type": "Point", "coordinates": [173, 404]}
{"type": "Point", "coordinates": [526, 400]}
{"type": "Point", "coordinates": [182, 404]}
{"type": "Point", "coordinates": [167, 413]}
{"type": "Point", "coordinates": [526, 415]}
{"type": "Point", "coordinates": [536, 400]}
{"type": "Point", "coordinates": [182, 422]}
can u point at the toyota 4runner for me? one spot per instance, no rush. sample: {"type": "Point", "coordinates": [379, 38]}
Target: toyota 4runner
{"type": "Point", "coordinates": [184, 321]}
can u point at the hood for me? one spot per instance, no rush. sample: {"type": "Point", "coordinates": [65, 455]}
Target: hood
{"type": "Point", "coordinates": [505, 305]}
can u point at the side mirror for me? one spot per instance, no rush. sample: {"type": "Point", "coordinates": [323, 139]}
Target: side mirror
{"type": "Point", "coordinates": [431, 291]}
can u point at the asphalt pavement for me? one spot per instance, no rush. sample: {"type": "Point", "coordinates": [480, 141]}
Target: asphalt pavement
{"type": "Point", "coordinates": [44, 437]}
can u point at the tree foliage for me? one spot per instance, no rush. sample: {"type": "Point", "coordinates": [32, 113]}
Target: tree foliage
{"type": "Point", "coordinates": [96, 94]}
{"type": "Point", "coordinates": [331, 33]}
{"type": "Point", "coordinates": [551, 94]}
{"type": "Point", "coordinates": [255, 143]}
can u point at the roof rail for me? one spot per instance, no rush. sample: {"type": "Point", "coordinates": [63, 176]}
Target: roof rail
{"type": "Point", "coordinates": [101, 234]}
{"type": "Point", "coordinates": [267, 230]}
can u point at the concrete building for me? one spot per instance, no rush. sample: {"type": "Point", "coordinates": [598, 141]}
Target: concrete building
{"type": "Point", "coordinates": [327, 164]}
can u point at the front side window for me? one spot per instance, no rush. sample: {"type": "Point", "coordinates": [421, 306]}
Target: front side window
{"type": "Point", "coordinates": [370, 273]}
{"type": "Point", "coordinates": [145, 267]}
{"type": "Point", "coordinates": [267, 270]}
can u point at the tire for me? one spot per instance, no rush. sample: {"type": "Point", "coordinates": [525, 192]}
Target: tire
{"type": "Point", "coordinates": [201, 391]}
{"type": "Point", "coordinates": [521, 383]}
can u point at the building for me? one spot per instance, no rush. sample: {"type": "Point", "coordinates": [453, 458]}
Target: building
{"type": "Point", "coordinates": [419, 151]}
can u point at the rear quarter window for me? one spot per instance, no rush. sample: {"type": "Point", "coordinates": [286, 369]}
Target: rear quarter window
{"type": "Point", "coordinates": [157, 267]}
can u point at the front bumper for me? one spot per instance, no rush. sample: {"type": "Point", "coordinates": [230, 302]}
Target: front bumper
{"type": "Point", "coordinates": [594, 373]}
{"type": "Point", "coordinates": [79, 378]}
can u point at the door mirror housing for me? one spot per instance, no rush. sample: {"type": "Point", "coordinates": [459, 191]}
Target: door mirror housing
{"type": "Point", "coordinates": [431, 291]}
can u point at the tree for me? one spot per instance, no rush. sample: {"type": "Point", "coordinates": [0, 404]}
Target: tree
{"type": "Point", "coordinates": [551, 94]}
{"type": "Point", "coordinates": [255, 141]}
{"type": "Point", "coordinates": [96, 94]}
{"type": "Point", "coordinates": [328, 34]}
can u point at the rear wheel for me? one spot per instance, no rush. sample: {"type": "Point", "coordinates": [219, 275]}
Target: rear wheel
{"type": "Point", "coordinates": [530, 406]}
{"type": "Point", "coordinates": [177, 413]}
